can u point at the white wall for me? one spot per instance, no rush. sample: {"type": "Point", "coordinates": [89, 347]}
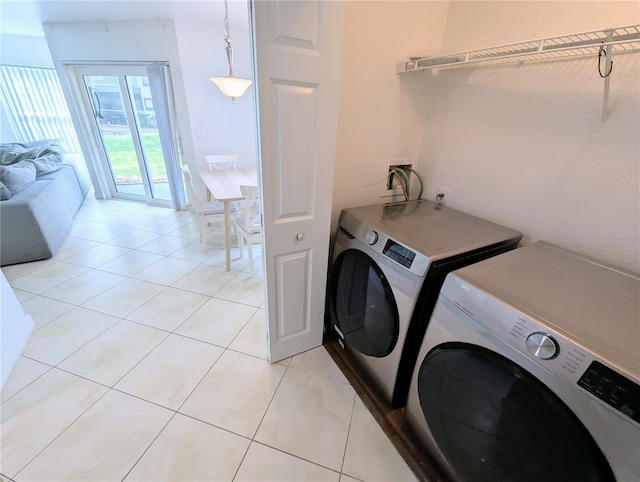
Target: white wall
{"type": "Point", "coordinates": [524, 145]}
{"type": "Point", "coordinates": [16, 327]}
{"type": "Point", "coordinates": [217, 126]}
{"type": "Point", "coordinates": [476, 24]}
{"type": "Point", "coordinates": [25, 50]}
{"type": "Point", "coordinates": [381, 113]}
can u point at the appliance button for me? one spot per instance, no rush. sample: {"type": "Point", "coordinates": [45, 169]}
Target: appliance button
{"type": "Point", "coordinates": [372, 237]}
{"type": "Point", "coordinates": [542, 346]}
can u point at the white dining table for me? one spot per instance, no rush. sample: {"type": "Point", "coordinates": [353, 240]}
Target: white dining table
{"type": "Point", "coordinates": [224, 186]}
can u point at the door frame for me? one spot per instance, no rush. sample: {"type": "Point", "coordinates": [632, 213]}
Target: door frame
{"type": "Point", "coordinates": [97, 160]}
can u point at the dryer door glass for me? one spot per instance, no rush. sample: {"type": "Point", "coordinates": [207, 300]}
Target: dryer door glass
{"type": "Point", "coordinates": [492, 420]}
{"type": "Point", "coordinates": [363, 305]}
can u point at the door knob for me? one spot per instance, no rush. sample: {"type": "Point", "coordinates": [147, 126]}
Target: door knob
{"type": "Point", "coordinates": [300, 236]}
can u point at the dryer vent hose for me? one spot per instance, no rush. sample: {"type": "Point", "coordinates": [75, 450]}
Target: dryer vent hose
{"type": "Point", "coordinates": [404, 177]}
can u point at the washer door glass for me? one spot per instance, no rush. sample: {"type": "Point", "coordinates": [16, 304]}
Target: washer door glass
{"type": "Point", "coordinates": [364, 308]}
{"type": "Point", "coordinates": [494, 421]}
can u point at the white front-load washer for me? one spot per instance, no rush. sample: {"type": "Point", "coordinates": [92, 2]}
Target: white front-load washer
{"type": "Point", "coordinates": [529, 370]}
{"type": "Point", "coordinates": [389, 261]}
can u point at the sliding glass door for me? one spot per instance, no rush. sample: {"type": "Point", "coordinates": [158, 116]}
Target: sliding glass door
{"type": "Point", "coordinates": [120, 106]}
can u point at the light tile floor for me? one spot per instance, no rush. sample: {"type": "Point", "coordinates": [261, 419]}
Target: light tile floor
{"type": "Point", "coordinates": [149, 362]}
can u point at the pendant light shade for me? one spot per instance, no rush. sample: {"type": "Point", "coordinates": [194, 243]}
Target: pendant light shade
{"type": "Point", "coordinates": [231, 86]}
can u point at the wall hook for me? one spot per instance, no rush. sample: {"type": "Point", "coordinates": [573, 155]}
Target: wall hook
{"type": "Point", "coordinates": [602, 53]}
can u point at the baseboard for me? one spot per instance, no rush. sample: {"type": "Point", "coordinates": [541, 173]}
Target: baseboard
{"type": "Point", "coordinates": [16, 347]}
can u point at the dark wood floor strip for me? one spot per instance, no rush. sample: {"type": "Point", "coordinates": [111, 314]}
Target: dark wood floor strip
{"type": "Point", "coordinates": [392, 421]}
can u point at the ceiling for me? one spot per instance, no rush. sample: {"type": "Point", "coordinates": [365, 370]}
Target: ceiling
{"type": "Point", "coordinates": [25, 17]}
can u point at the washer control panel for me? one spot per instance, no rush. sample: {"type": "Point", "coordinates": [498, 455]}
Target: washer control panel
{"type": "Point", "coordinates": [549, 347]}
{"type": "Point", "coordinates": [391, 249]}
{"type": "Point", "coordinates": [613, 389]}
{"type": "Point", "coordinates": [542, 345]}
{"type": "Point", "coordinates": [372, 237]}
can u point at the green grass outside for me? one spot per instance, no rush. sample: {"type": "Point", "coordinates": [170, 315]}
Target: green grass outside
{"type": "Point", "coordinates": [122, 155]}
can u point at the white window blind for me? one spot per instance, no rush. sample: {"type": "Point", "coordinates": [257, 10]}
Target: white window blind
{"type": "Point", "coordinates": [162, 94]}
{"type": "Point", "coordinates": [34, 103]}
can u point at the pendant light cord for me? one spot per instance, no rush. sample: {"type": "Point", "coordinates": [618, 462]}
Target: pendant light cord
{"type": "Point", "coordinates": [227, 36]}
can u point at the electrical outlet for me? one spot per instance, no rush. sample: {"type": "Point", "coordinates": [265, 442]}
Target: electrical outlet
{"type": "Point", "coordinates": [443, 195]}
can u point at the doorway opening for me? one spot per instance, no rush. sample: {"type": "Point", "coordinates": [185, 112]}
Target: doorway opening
{"type": "Point", "coordinates": [123, 112]}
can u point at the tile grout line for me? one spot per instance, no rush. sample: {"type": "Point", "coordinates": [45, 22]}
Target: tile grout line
{"type": "Point", "coordinates": [353, 409]}
{"type": "Point", "coordinates": [63, 430]}
{"type": "Point", "coordinates": [73, 306]}
{"type": "Point", "coordinates": [150, 445]}
{"type": "Point", "coordinates": [2, 401]}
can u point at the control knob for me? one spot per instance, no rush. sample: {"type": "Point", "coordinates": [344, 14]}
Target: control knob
{"type": "Point", "coordinates": [372, 237]}
{"type": "Point", "coordinates": [542, 346]}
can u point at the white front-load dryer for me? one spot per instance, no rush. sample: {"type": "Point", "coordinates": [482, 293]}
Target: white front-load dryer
{"type": "Point", "coordinates": [529, 370]}
{"type": "Point", "coordinates": [389, 261]}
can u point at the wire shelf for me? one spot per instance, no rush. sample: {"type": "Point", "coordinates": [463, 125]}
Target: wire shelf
{"type": "Point", "coordinates": [619, 39]}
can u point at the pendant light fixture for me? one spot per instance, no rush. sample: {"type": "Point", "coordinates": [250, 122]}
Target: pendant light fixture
{"type": "Point", "coordinates": [231, 86]}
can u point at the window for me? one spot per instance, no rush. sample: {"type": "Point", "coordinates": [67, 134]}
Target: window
{"type": "Point", "coordinates": [35, 105]}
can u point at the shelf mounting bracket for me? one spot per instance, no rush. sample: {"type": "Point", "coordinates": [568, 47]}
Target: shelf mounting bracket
{"type": "Point", "coordinates": [607, 78]}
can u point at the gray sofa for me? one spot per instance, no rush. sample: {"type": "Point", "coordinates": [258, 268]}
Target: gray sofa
{"type": "Point", "coordinates": [36, 214]}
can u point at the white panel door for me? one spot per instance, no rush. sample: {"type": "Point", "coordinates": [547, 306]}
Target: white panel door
{"type": "Point", "coordinates": [298, 50]}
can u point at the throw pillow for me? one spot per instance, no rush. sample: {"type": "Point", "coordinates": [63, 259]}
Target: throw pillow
{"type": "Point", "coordinates": [46, 163]}
{"type": "Point", "coordinates": [14, 153]}
{"type": "Point", "coordinates": [4, 192]}
{"type": "Point", "coordinates": [17, 176]}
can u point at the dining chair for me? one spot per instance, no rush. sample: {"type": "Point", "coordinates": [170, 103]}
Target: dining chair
{"type": "Point", "coordinates": [220, 162]}
{"type": "Point", "coordinates": [249, 221]}
{"type": "Point", "coordinates": [207, 211]}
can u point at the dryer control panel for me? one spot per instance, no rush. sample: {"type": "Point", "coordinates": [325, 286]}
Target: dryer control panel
{"type": "Point", "coordinates": [381, 243]}
{"type": "Point", "coordinates": [399, 253]}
